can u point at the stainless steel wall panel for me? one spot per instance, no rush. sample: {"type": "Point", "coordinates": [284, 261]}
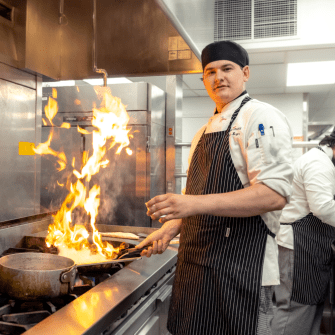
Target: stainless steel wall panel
{"type": "Point", "coordinates": [156, 104]}
{"type": "Point", "coordinates": [157, 178]}
{"type": "Point", "coordinates": [157, 164]}
{"type": "Point", "coordinates": [38, 137]}
{"type": "Point", "coordinates": [17, 76]}
{"type": "Point", "coordinates": [13, 35]}
{"type": "Point", "coordinates": [17, 173]}
{"type": "Point", "coordinates": [139, 117]}
{"type": "Point", "coordinates": [174, 96]}
{"type": "Point", "coordinates": [43, 38]}
{"type": "Point", "coordinates": [133, 95]}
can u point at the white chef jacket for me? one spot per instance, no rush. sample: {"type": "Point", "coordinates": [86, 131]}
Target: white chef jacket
{"type": "Point", "coordinates": [258, 158]}
{"type": "Point", "coordinates": [313, 192]}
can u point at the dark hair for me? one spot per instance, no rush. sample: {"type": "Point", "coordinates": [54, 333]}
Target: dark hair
{"type": "Point", "coordinates": [329, 141]}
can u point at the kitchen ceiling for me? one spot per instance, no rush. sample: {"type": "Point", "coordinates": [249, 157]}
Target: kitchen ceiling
{"type": "Point", "coordinates": [268, 69]}
{"type": "Point", "coordinates": [265, 79]}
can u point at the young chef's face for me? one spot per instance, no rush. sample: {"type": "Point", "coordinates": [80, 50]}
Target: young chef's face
{"type": "Point", "coordinates": [224, 81]}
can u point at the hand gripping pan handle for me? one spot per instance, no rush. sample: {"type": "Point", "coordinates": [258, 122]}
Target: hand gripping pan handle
{"type": "Point", "coordinates": [132, 252]}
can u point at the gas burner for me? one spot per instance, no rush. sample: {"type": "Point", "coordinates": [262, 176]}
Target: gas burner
{"type": "Point", "coordinates": [17, 316]}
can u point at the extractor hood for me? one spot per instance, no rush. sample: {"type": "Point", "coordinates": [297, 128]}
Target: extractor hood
{"type": "Point", "coordinates": [133, 38]}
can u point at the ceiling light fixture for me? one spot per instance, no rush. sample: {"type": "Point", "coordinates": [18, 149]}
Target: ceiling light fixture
{"type": "Point", "coordinates": [310, 73]}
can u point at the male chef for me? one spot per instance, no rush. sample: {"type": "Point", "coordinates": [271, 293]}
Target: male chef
{"type": "Point", "coordinates": [305, 237]}
{"type": "Point", "coordinates": [239, 178]}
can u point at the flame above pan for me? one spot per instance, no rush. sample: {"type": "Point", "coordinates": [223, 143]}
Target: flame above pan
{"type": "Point", "coordinates": [110, 131]}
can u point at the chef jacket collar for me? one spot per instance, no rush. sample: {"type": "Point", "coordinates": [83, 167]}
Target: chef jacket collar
{"type": "Point", "coordinates": [328, 151]}
{"type": "Point", "coordinates": [243, 93]}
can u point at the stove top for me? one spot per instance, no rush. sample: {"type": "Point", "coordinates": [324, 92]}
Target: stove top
{"type": "Point", "coordinates": [17, 316]}
{"type": "Point", "coordinates": [97, 302]}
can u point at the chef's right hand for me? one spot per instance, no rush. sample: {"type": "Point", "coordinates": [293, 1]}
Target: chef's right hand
{"type": "Point", "coordinates": [160, 238]}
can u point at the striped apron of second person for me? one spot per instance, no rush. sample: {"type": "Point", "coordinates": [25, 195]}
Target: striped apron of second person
{"type": "Point", "coordinates": [312, 259]}
{"type": "Point", "coordinates": [220, 260]}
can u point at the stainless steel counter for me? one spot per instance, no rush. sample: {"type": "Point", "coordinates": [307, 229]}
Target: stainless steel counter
{"type": "Point", "coordinates": [95, 310]}
{"type": "Point", "coordinates": [99, 309]}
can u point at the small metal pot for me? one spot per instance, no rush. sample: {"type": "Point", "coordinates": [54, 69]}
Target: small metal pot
{"type": "Point", "coordinates": [33, 276]}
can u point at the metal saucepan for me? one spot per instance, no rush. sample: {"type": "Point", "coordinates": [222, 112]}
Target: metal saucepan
{"type": "Point", "coordinates": [33, 275]}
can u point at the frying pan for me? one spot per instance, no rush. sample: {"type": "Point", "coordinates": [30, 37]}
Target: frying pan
{"type": "Point", "coordinates": [124, 255]}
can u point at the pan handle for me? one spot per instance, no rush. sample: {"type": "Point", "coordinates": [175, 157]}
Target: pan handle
{"type": "Point", "coordinates": [132, 252]}
{"type": "Point", "coordinates": [69, 276]}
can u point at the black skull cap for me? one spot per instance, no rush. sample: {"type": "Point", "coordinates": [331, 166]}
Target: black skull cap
{"type": "Point", "coordinates": [224, 50]}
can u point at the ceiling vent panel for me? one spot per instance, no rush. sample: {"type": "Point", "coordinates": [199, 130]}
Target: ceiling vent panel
{"type": "Point", "coordinates": [232, 20]}
{"type": "Point", "coordinates": [255, 19]}
{"type": "Point", "coordinates": [275, 18]}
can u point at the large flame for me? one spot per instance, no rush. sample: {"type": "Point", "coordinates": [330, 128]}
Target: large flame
{"type": "Point", "coordinates": [110, 130]}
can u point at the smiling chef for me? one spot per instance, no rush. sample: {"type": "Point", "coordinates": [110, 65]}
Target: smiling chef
{"type": "Point", "coordinates": [239, 179]}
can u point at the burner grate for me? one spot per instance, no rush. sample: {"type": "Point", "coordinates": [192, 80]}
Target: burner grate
{"type": "Point", "coordinates": [17, 316]}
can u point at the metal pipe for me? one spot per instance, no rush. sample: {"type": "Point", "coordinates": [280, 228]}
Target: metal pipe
{"type": "Point", "coordinates": [182, 144]}
{"type": "Point", "coordinates": [95, 68]}
{"type": "Point", "coordinates": [61, 11]}
{"type": "Point", "coordinates": [305, 144]}
{"type": "Point", "coordinates": [178, 26]}
{"type": "Point", "coordinates": [180, 175]}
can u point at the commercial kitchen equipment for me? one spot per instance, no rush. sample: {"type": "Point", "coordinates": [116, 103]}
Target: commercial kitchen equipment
{"type": "Point", "coordinates": [129, 180]}
{"type": "Point", "coordinates": [53, 40]}
{"type": "Point", "coordinates": [132, 298]}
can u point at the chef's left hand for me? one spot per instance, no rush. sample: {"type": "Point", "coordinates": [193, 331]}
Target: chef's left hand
{"type": "Point", "coordinates": [171, 206]}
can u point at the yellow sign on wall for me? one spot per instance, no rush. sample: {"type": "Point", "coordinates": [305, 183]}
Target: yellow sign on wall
{"type": "Point", "coordinates": [298, 138]}
{"type": "Point", "coordinates": [26, 148]}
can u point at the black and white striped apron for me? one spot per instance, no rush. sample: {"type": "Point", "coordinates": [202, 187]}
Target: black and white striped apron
{"type": "Point", "coordinates": [220, 260]}
{"type": "Point", "coordinates": [312, 259]}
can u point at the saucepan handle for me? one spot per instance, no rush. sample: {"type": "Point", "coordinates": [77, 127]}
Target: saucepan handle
{"type": "Point", "coordinates": [69, 276]}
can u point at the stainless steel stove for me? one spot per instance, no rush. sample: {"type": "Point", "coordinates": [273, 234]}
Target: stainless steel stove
{"type": "Point", "coordinates": [131, 298]}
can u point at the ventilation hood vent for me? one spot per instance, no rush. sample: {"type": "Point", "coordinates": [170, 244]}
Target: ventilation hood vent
{"type": "Point", "coordinates": [255, 19]}
{"type": "Point", "coordinates": [134, 38]}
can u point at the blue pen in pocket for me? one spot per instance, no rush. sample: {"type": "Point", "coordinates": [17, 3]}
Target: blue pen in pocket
{"type": "Point", "coordinates": [261, 129]}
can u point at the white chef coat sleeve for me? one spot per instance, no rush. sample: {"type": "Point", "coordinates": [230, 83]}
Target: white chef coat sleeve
{"type": "Point", "coordinates": [269, 151]}
{"type": "Point", "coordinates": [318, 179]}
